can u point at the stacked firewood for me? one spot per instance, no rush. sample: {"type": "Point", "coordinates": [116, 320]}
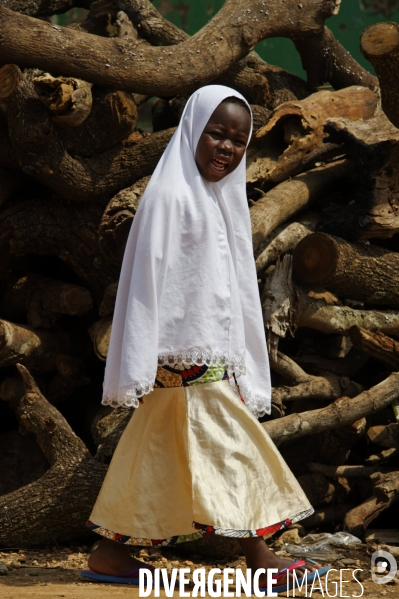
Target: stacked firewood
{"type": "Point", "coordinates": [322, 181]}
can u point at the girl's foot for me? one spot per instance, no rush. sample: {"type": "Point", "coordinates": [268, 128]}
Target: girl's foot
{"type": "Point", "coordinates": [258, 555]}
{"type": "Point", "coordinates": [112, 559]}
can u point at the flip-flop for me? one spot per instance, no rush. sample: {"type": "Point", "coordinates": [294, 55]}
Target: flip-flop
{"type": "Point", "coordinates": [297, 582]}
{"type": "Point", "coordinates": [129, 577]}
{"type": "Point", "coordinates": [296, 564]}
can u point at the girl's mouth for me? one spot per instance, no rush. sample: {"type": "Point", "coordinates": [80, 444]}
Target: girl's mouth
{"type": "Point", "coordinates": [219, 164]}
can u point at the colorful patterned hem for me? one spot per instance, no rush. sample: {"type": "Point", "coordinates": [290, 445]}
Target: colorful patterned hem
{"type": "Point", "coordinates": [178, 375]}
{"type": "Point", "coordinates": [201, 530]}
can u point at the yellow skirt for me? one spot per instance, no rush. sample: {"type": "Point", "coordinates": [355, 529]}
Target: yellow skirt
{"type": "Point", "coordinates": [195, 457]}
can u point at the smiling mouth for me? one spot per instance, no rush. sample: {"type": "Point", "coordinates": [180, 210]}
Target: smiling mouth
{"type": "Point", "coordinates": [219, 165]}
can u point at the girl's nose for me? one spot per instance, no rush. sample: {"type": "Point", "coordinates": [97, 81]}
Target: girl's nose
{"type": "Point", "coordinates": [226, 145]}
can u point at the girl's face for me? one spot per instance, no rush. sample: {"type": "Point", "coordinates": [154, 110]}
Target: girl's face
{"type": "Point", "coordinates": [223, 142]}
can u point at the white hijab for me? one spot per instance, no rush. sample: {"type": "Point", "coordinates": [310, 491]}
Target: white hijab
{"type": "Point", "coordinates": [188, 290]}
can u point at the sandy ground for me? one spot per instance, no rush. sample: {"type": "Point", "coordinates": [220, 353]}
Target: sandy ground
{"type": "Point", "coordinates": [55, 572]}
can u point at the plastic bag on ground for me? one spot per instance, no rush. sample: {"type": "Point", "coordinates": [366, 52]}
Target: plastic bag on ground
{"type": "Point", "coordinates": [321, 554]}
{"type": "Point", "coordinates": [321, 545]}
{"type": "Point", "coordinates": [326, 539]}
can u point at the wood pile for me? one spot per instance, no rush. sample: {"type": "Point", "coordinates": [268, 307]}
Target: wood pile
{"type": "Point", "coordinates": [322, 181]}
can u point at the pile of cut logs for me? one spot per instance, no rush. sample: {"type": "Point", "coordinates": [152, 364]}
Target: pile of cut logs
{"type": "Point", "coordinates": [323, 191]}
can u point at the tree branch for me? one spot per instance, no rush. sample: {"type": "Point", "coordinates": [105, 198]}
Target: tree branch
{"type": "Point", "coordinates": [68, 487]}
{"type": "Point", "coordinates": [341, 412]}
{"type": "Point", "coordinates": [324, 59]}
{"type": "Point", "coordinates": [316, 313]}
{"type": "Point", "coordinates": [44, 8]}
{"type": "Point", "coordinates": [41, 152]}
{"type": "Point", "coordinates": [50, 227]}
{"type": "Point", "coordinates": [322, 55]}
{"type": "Point", "coordinates": [129, 65]}
{"type": "Point", "coordinates": [377, 345]}
{"type": "Point", "coordinates": [307, 386]}
{"type": "Point", "coordinates": [151, 24]}
{"type": "Point", "coordinates": [289, 197]}
{"type": "Point", "coordinates": [345, 471]}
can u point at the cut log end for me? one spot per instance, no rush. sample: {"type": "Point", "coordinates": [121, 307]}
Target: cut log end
{"type": "Point", "coordinates": [69, 100]}
{"type": "Point", "coordinates": [366, 273]}
{"type": "Point", "coordinates": [9, 77]}
{"type": "Point", "coordinates": [100, 334]}
{"type": "Point", "coordinates": [380, 39]}
{"type": "Point", "coordinates": [315, 258]}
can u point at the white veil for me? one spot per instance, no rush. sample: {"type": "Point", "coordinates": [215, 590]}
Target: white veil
{"type": "Point", "coordinates": [188, 289]}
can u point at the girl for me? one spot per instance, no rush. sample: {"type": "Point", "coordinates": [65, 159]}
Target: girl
{"type": "Point", "coordinates": [188, 344]}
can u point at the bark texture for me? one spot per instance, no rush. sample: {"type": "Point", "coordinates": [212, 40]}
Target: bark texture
{"type": "Point", "coordinates": [325, 59]}
{"type": "Point", "coordinates": [68, 100]}
{"type": "Point", "coordinates": [373, 211]}
{"type": "Point", "coordinates": [380, 45]}
{"type": "Point", "coordinates": [386, 492]}
{"type": "Point", "coordinates": [294, 138]}
{"type": "Point", "coordinates": [288, 198]}
{"type": "Point", "coordinates": [117, 220]}
{"type": "Point", "coordinates": [317, 313]}
{"type": "Point", "coordinates": [377, 345]}
{"type": "Point", "coordinates": [51, 227]}
{"type": "Point", "coordinates": [284, 242]}
{"type": "Point", "coordinates": [41, 152]}
{"type": "Point", "coordinates": [35, 349]}
{"type": "Point", "coordinates": [43, 300]}
{"type": "Point", "coordinates": [112, 119]}
{"type": "Point", "coordinates": [342, 411]}
{"type": "Point", "coordinates": [277, 303]}
{"type": "Point", "coordinates": [323, 388]}
{"type": "Point", "coordinates": [356, 271]}
{"type": "Point", "coordinates": [260, 83]}
{"type": "Point", "coordinates": [133, 66]}
{"type": "Point", "coordinates": [44, 8]}
{"type": "Point", "coordinates": [65, 492]}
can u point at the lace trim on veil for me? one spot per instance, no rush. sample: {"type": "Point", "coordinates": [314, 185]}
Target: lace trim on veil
{"type": "Point", "coordinates": [255, 403]}
{"type": "Point", "coordinates": [203, 357]}
{"type": "Point", "coordinates": [129, 395]}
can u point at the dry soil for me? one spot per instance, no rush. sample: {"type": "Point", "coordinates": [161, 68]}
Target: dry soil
{"type": "Point", "coordinates": [55, 572]}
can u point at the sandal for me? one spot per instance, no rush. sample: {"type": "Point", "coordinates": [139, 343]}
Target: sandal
{"type": "Point", "coordinates": [129, 577]}
{"type": "Point", "coordinates": [289, 585]}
